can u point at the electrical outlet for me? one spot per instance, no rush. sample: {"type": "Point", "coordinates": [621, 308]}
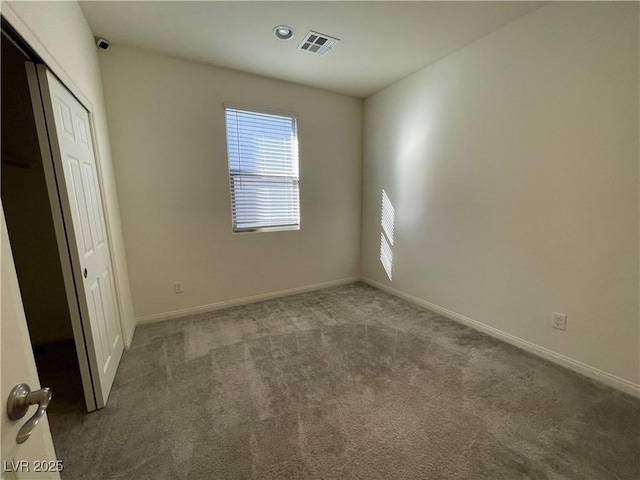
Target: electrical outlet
{"type": "Point", "coordinates": [177, 287]}
{"type": "Point", "coordinates": [559, 321]}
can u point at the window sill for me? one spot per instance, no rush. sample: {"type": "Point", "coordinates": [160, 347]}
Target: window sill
{"type": "Point", "coordinates": [266, 229]}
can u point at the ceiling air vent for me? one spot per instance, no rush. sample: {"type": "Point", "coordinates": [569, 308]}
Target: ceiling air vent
{"type": "Point", "coordinates": [317, 43]}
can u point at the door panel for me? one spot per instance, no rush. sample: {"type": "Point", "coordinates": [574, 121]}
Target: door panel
{"type": "Point", "coordinates": [68, 127]}
{"type": "Point", "coordinates": [18, 366]}
{"type": "Point", "coordinates": [78, 207]}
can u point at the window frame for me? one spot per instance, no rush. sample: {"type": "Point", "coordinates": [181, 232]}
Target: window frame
{"type": "Point", "coordinates": [267, 111]}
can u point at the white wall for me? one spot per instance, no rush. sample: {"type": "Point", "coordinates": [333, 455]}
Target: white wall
{"type": "Point", "coordinates": [169, 147]}
{"type": "Point", "coordinates": [513, 168]}
{"type": "Point", "coordinates": [60, 34]}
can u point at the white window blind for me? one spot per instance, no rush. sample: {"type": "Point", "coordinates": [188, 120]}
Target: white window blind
{"type": "Point", "coordinates": [263, 170]}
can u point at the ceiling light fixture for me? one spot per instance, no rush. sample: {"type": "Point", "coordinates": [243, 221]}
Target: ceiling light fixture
{"type": "Point", "coordinates": [283, 32]}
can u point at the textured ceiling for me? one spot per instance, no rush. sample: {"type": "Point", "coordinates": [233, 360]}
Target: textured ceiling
{"type": "Point", "coordinates": [381, 42]}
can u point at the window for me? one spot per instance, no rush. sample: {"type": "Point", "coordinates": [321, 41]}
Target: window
{"type": "Point", "coordinates": [263, 170]}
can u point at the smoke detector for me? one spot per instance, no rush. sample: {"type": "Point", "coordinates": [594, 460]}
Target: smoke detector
{"type": "Point", "coordinates": [317, 43]}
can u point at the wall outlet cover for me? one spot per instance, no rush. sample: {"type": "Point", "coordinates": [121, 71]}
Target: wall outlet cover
{"type": "Point", "coordinates": [559, 321]}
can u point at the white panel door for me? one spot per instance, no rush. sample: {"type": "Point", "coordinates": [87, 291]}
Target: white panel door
{"type": "Point", "coordinates": [74, 161]}
{"type": "Point", "coordinates": [18, 366]}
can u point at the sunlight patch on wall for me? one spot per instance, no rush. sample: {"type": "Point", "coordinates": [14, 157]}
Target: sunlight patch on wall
{"type": "Point", "coordinates": [388, 217]}
{"type": "Point", "coordinates": [386, 256]}
{"type": "Point", "coordinates": [387, 222]}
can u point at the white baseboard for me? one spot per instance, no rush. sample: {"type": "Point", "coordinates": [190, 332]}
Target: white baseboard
{"type": "Point", "coordinates": [567, 362]}
{"type": "Point", "coordinates": [240, 301]}
{"type": "Point", "coordinates": [129, 337]}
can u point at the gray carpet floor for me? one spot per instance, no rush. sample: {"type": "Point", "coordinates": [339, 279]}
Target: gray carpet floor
{"type": "Point", "coordinates": [345, 383]}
